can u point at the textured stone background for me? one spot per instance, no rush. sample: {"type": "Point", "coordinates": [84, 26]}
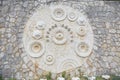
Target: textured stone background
{"type": "Point", "coordinates": [104, 17]}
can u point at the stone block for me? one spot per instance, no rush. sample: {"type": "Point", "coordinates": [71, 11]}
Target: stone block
{"type": "Point", "coordinates": [6, 73]}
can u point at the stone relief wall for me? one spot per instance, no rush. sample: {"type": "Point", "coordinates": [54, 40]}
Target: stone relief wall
{"type": "Point", "coordinates": [58, 41]}
{"type": "Point", "coordinates": [28, 41]}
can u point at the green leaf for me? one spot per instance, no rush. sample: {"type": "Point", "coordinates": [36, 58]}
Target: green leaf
{"type": "Point", "coordinates": [99, 78]}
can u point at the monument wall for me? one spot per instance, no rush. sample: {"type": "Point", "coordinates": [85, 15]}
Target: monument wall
{"type": "Point", "coordinates": [41, 36]}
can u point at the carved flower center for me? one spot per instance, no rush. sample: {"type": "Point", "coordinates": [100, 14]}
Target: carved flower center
{"type": "Point", "coordinates": [72, 15]}
{"type": "Point", "coordinates": [49, 58]}
{"type": "Point", "coordinates": [59, 12]}
{"type": "Point", "coordinates": [83, 47]}
{"type": "Point", "coordinates": [82, 31]}
{"type": "Point", "coordinates": [59, 36]}
{"type": "Point", "coordinates": [36, 47]}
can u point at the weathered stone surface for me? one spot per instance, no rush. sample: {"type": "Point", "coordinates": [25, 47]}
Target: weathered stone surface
{"type": "Point", "coordinates": [0, 71]}
{"type": "Point", "coordinates": [6, 73]}
{"type": "Point", "coordinates": [18, 75]}
{"type": "Point", "coordinates": [58, 36]}
{"type": "Point", "coordinates": [104, 18]}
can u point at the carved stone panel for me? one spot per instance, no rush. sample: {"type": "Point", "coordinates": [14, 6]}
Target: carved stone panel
{"type": "Point", "coordinates": [58, 38]}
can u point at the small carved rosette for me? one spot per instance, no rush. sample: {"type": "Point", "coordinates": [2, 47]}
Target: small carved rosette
{"type": "Point", "coordinates": [58, 38]}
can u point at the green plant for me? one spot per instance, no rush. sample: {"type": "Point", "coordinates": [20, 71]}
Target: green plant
{"type": "Point", "coordinates": [83, 78]}
{"type": "Point", "coordinates": [48, 76]}
{"type": "Point", "coordinates": [80, 73]}
{"type": "Point", "coordinates": [41, 77]}
{"type": "Point", "coordinates": [99, 78]}
{"type": "Point", "coordinates": [64, 74]}
{"type": "Point", "coordinates": [113, 77]}
{"type": "Point", "coordinates": [12, 79]}
{"type": "Point", "coordinates": [68, 77]}
{"type": "Point", "coordinates": [1, 78]}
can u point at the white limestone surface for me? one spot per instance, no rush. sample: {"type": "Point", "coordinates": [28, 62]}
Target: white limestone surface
{"type": "Point", "coordinates": [58, 38]}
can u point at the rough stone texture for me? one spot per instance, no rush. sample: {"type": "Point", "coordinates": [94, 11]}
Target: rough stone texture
{"type": "Point", "coordinates": [104, 18]}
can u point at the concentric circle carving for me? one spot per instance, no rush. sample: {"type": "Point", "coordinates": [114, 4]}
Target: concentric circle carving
{"type": "Point", "coordinates": [49, 59]}
{"type": "Point", "coordinates": [82, 31]}
{"type": "Point", "coordinates": [58, 13]}
{"type": "Point", "coordinates": [59, 35]}
{"type": "Point", "coordinates": [82, 49]}
{"type": "Point", "coordinates": [72, 16]}
{"type": "Point", "coordinates": [67, 64]}
{"type": "Point", "coordinates": [59, 38]}
{"type": "Point", "coordinates": [36, 49]}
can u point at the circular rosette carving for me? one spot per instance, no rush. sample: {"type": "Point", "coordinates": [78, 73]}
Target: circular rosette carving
{"type": "Point", "coordinates": [40, 25]}
{"type": "Point", "coordinates": [36, 34]}
{"type": "Point", "coordinates": [59, 37]}
{"type": "Point", "coordinates": [58, 13]}
{"type": "Point", "coordinates": [67, 64]}
{"type": "Point", "coordinates": [82, 49]}
{"type": "Point", "coordinates": [72, 16]}
{"type": "Point", "coordinates": [36, 49]}
{"type": "Point", "coordinates": [60, 34]}
{"type": "Point", "coordinates": [49, 59]}
{"type": "Point", "coordinates": [82, 31]}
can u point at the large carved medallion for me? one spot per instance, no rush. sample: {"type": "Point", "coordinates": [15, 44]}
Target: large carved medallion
{"type": "Point", "coordinates": [58, 37]}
